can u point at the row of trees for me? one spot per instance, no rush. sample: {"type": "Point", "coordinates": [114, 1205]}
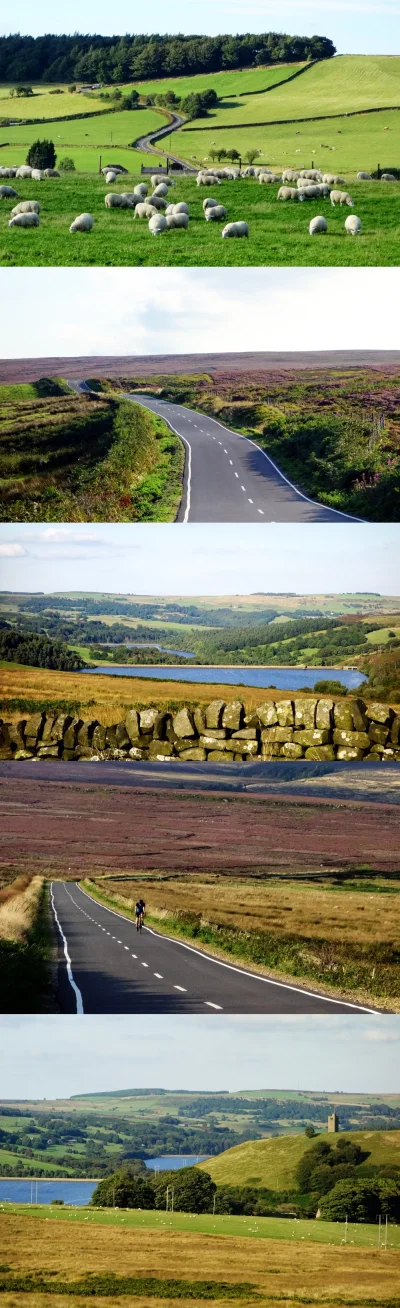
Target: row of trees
{"type": "Point", "coordinates": [104, 59]}
{"type": "Point", "coordinates": [37, 651]}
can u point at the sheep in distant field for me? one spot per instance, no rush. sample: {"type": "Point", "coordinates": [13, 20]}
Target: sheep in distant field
{"type": "Point", "coordinates": [289, 193]}
{"type": "Point", "coordinates": [208, 203]}
{"type": "Point", "coordinates": [25, 220]}
{"type": "Point", "coordinates": [24, 171]}
{"type": "Point", "coordinates": [51, 172]}
{"type": "Point", "coordinates": [265, 178]}
{"type": "Point", "coordinates": [341, 197]}
{"type": "Point", "coordinates": [161, 189]}
{"type": "Point", "coordinates": [364, 177]}
{"type": "Point", "coordinates": [83, 223]}
{"type": "Point", "coordinates": [232, 174]}
{"type": "Point", "coordinates": [37, 175]}
{"type": "Point", "coordinates": [141, 190]}
{"type": "Point", "coordinates": [116, 201]}
{"type": "Point", "coordinates": [158, 224]}
{"type": "Point", "coordinates": [145, 210]}
{"type": "Point", "coordinates": [318, 225]}
{"type": "Point", "coordinates": [158, 201]}
{"type": "Point", "coordinates": [290, 175]}
{"type": "Point", "coordinates": [26, 206]}
{"type": "Point", "coordinates": [8, 193]}
{"type": "Point", "coordinates": [311, 174]}
{"type": "Point", "coordinates": [8, 172]}
{"type": "Point", "coordinates": [236, 229]}
{"type": "Point", "coordinates": [177, 220]}
{"type": "Point", "coordinates": [353, 224]}
{"type": "Point", "coordinates": [207, 179]}
{"type": "Point", "coordinates": [110, 177]}
{"type": "Point", "coordinates": [215, 213]}
{"type": "Point", "coordinates": [159, 179]}
{"type": "Point", "coordinates": [388, 177]}
{"type": "Point", "coordinates": [248, 172]}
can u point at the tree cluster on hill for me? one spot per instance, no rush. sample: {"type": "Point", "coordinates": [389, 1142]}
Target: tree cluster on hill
{"type": "Point", "coordinates": [94, 59]}
{"type": "Point", "coordinates": [18, 646]}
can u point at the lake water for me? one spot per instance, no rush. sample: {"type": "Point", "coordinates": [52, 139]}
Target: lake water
{"type": "Point", "coordinates": [79, 1193]}
{"type": "Point", "coordinates": [162, 649]}
{"type": "Point", "coordinates": [282, 678]}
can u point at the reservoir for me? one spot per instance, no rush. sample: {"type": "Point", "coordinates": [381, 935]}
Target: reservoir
{"type": "Point", "coordinates": [282, 678]}
{"type": "Point", "coordinates": [18, 1191]}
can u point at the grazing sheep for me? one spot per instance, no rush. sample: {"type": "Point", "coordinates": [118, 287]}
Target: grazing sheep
{"type": "Point", "coordinates": [388, 177]}
{"type": "Point", "coordinates": [131, 198]}
{"type": "Point", "coordinates": [158, 201]}
{"type": "Point", "coordinates": [145, 210]}
{"type": "Point", "coordinates": [215, 214]}
{"type": "Point", "coordinates": [248, 172]}
{"type": "Point", "coordinates": [264, 178]}
{"type": "Point", "coordinates": [158, 224]}
{"type": "Point", "coordinates": [353, 224]}
{"type": "Point", "coordinates": [161, 189]}
{"type": "Point", "coordinates": [329, 178]}
{"type": "Point", "coordinates": [318, 225]}
{"type": "Point", "coordinates": [289, 193]}
{"type": "Point", "coordinates": [290, 175]}
{"type": "Point", "coordinates": [83, 223]}
{"type": "Point", "coordinates": [24, 171]}
{"type": "Point", "coordinates": [177, 220]}
{"type": "Point", "coordinates": [141, 190]}
{"type": "Point", "coordinates": [364, 177]}
{"type": "Point", "coordinates": [8, 172]}
{"type": "Point", "coordinates": [26, 206]}
{"type": "Point", "coordinates": [208, 203]}
{"type": "Point", "coordinates": [110, 177]}
{"type": "Point", "coordinates": [311, 174]}
{"type": "Point", "coordinates": [159, 179]}
{"type": "Point", "coordinates": [37, 175]}
{"type": "Point", "coordinates": [8, 193]}
{"type": "Point", "coordinates": [115, 201]}
{"type": "Point", "coordinates": [341, 197]}
{"type": "Point", "coordinates": [51, 172]}
{"type": "Point", "coordinates": [25, 220]}
{"type": "Point", "coordinates": [236, 229]}
{"type": "Point", "coordinates": [310, 192]}
{"type": "Point", "coordinates": [181, 207]}
{"type": "Point", "coordinates": [207, 179]}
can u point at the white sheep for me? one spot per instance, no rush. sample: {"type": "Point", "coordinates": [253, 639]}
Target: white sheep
{"type": "Point", "coordinates": [51, 172]}
{"type": "Point", "coordinates": [236, 229]}
{"type": "Point", "coordinates": [353, 224]}
{"type": "Point", "coordinates": [329, 178]}
{"type": "Point", "coordinates": [25, 220]}
{"type": "Point", "coordinates": [116, 201]}
{"type": "Point", "coordinates": [290, 175]}
{"type": "Point", "coordinates": [364, 177]}
{"type": "Point", "coordinates": [289, 193]}
{"type": "Point", "coordinates": [24, 171]}
{"type": "Point", "coordinates": [265, 178]}
{"type": "Point", "coordinates": [181, 207]}
{"type": "Point", "coordinates": [311, 174]}
{"type": "Point", "coordinates": [158, 224]}
{"type": "Point", "coordinates": [8, 193]}
{"type": "Point", "coordinates": [110, 177]}
{"type": "Point", "coordinates": [207, 179]}
{"type": "Point", "coordinates": [177, 220]}
{"type": "Point", "coordinates": [37, 175]}
{"type": "Point", "coordinates": [341, 197]}
{"type": "Point", "coordinates": [26, 206]}
{"type": "Point", "coordinates": [159, 179]}
{"type": "Point", "coordinates": [161, 189]}
{"type": "Point", "coordinates": [158, 201]}
{"type": "Point", "coordinates": [248, 172]}
{"type": "Point", "coordinates": [8, 172]}
{"type": "Point", "coordinates": [141, 190]}
{"type": "Point", "coordinates": [208, 203]}
{"type": "Point", "coordinates": [318, 225]}
{"type": "Point", "coordinates": [215, 214]}
{"type": "Point", "coordinates": [145, 210]}
{"type": "Point", "coordinates": [388, 177]}
{"type": "Point", "coordinates": [83, 223]}
{"type": "Point", "coordinates": [310, 191]}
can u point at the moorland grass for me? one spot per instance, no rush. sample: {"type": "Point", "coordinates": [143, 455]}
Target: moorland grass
{"type": "Point", "coordinates": [278, 233]}
{"type": "Point", "coordinates": [25, 957]}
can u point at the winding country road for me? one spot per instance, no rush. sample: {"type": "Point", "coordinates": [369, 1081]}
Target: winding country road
{"type": "Point", "coordinates": [107, 966]}
{"type": "Point", "coordinates": [146, 143]}
{"type": "Point", "coordinates": [228, 478]}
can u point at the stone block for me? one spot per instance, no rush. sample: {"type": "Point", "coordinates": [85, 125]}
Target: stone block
{"type": "Point", "coordinates": [378, 733]}
{"type": "Point", "coordinates": [183, 724]}
{"type": "Point", "coordinates": [267, 714]}
{"type": "Point", "coordinates": [195, 754]}
{"type": "Point", "coordinates": [304, 713]}
{"type": "Point", "coordinates": [48, 725]}
{"type": "Point", "coordinates": [70, 735]}
{"type": "Point", "coordinates": [85, 733]}
{"type": "Point", "coordinates": [285, 711]}
{"type": "Point", "coordinates": [380, 712]}
{"type": "Point", "coordinates": [249, 747]}
{"type": "Point", "coordinates": [122, 735]}
{"type": "Point", "coordinates": [13, 734]}
{"type": "Point", "coordinates": [162, 722]}
{"type": "Point", "coordinates": [23, 753]}
{"type": "Point", "coordinates": [160, 749]}
{"type": "Point", "coordinates": [34, 726]}
{"type": "Point", "coordinates": [135, 753]}
{"type": "Point", "coordinates": [218, 756]}
{"type": "Point", "coordinates": [395, 730]}
{"type": "Point", "coordinates": [68, 755]}
{"type": "Point", "coordinates": [233, 714]}
{"type": "Point", "coordinates": [6, 752]}
{"type": "Point", "coordinates": [357, 709]}
{"type": "Point", "coordinates": [199, 719]}
{"type": "Point", "coordinates": [216, 733]}
{"type": "Point", "coordinates": [214, 712]}
{"type": "Point", "coordinates": [308, 738]}
{"type": "Point", "coordinates": [99, 739]}
{"type": "Point", "coordinates": [320, 752]}
{"type": "Point", "coordinates": [208, 741]}
{"type": "Point", "coordinates": [343, 717]}
{"type": "Point", "coordinates": [356, 739]}
{"type": "Point", "coordinates": [132, 723]}
{"type": "Point", "coordinates": [292, 751]}
{"type": "Point", "coordinates": [48, 751]}
{"type": "Point", "coordinates": [280, 734]}
{"type": "Point", "coordinates": [111, 738]}
{"type": "Point", "coordinates": [324, 713]}
{"type": "Point", "coordinates": [60, 726]}
{"type": "Point", "coordinates": [271, 749]}
{"type": "Point", "coordinates": [346, 752]}
{"type": "Point", "coordinates": [247, 733]}
{"type": "Point", "coordinates": [148, 717]}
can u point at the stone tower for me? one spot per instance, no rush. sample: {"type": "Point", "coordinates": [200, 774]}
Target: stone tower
{"type": "Point", "coordinates": [333, 1123]}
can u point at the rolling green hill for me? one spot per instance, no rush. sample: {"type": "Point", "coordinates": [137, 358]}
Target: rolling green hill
{"type": "Point", "coordinates": [272, 1163]}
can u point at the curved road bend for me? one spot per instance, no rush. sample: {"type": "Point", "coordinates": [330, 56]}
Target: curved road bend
{"type": "Point", "coordinates": [146, 143]}
{"type": "Point", "coordinates": [107, 966]}
{"type": "Point", "coordinates": [228, 478]}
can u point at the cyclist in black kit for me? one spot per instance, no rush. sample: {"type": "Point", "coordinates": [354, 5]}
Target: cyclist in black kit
{"type": "Point", "coordinates": [139, 913]}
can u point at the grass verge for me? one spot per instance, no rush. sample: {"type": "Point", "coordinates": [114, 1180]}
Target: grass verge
{"type": "Point", "coordinates": [25, 953]}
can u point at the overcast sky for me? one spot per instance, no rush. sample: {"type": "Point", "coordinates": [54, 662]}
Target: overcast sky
{"type": "Point", "coordinates": [355, 26]}
{"type": "Point", "coordinates": [72, 311]}
{"type": "Point", "coordinates": [53, 1056]}
{"type": "Point", "coordinates": [225, 559]}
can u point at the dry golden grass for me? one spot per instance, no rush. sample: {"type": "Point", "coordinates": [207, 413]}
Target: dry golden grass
{"type": "Point", "coordinates": [320, 1272]}
{"type": "Point", "coordinates": [259, 906]}
{"type": "Point", "coordinates": [18, 904]}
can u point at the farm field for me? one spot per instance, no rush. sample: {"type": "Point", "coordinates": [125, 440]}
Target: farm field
{"type": "Point", "coordinates": [345, 145]}
{"type": "Point", "coordinates": [278, 233]}
{"type": "Point", "coordinates": [223, 1252]}
{"type": "Point", "coordinates": [84, 139]}
{"type": "Point", "coordinates": [275, 1161]}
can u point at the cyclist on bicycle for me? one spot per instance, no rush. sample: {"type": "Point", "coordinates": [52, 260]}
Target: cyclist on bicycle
{"type": "Point", "coordinates": [139, 910]}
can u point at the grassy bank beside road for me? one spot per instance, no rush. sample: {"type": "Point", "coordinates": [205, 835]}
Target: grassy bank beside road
{"type": "Point", "coordinates": [25, 946]}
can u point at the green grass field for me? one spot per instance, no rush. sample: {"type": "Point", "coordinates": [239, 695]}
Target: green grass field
{"type": "Point", "coordinates": [278, 233]}
{"type": "Point", "coordinates": [256, 1228]}
{"type": "Point", "coordinates": [272, 1162]}
{"type": "Point", "coordinates": [85, 139]}
{"type": "Point", "coordinates": [46, 102]}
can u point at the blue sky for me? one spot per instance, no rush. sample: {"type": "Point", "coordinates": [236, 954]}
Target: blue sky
{"type": "Point", "coordinates": [225, 559]}
{"type": "Point", "coordinates": [355, 26]}
{"type": "Point", "coordinates": [354, 1053]}
{"type": "Point", "coordinates": [73, 311]}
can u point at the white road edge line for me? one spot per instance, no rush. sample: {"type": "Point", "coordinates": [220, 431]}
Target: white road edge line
{"type": "Point", "coordinates": [189, 447]}
{"type": "Point", "coordinates": [75, 988]}
{"type": "Point", "coordinates": [268, 981]}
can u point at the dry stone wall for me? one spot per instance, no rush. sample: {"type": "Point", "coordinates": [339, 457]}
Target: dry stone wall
{"type": "Point", "coordinates": [300, 728]}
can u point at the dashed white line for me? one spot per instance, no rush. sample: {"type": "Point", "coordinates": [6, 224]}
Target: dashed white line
{"type": "Point", "coordinates": [126, 947]}
{"type": "Point", "coordinates": [243, 488]}
{"type": "Point", "coordinates": [231, 463]}
{"type": "Point", "coordinates": [251, 501]}
{"type": "Point", "coordinates": [133, 955]}
{"type": "Point", "coordinates": [158, 975]}
{"type": "Point", "coordinates": [145, 964]}
{"type": "Point", "coordinates": [236, 474]}
{"type": "Point", "coordinates": [182, 988]}
{"type": "Point", "coordinates": [208, 1004]}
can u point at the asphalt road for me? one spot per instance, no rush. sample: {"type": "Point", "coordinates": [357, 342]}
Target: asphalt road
{"type": "Point", "coordinates": [146, 143]}
{"type": "Point", "coordinates": [107, 966]}
{"type": "Point", "coordinates": [228, 478]}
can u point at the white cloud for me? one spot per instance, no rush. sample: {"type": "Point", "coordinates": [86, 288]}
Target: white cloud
{"type": "Point", "coordinates": [11, 551]}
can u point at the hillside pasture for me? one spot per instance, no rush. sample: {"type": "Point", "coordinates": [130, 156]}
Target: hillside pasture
{"type": "Point", "coordinates": [272, 1163]}
{"type": "Point", "coordinates": [47, 102]}
{"type": "Point", "coordinates": [278, 232]}
{"type": "Point", "coordinates": [343, 145]}
{"type": "Point", "coordinates": [84, 139]}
